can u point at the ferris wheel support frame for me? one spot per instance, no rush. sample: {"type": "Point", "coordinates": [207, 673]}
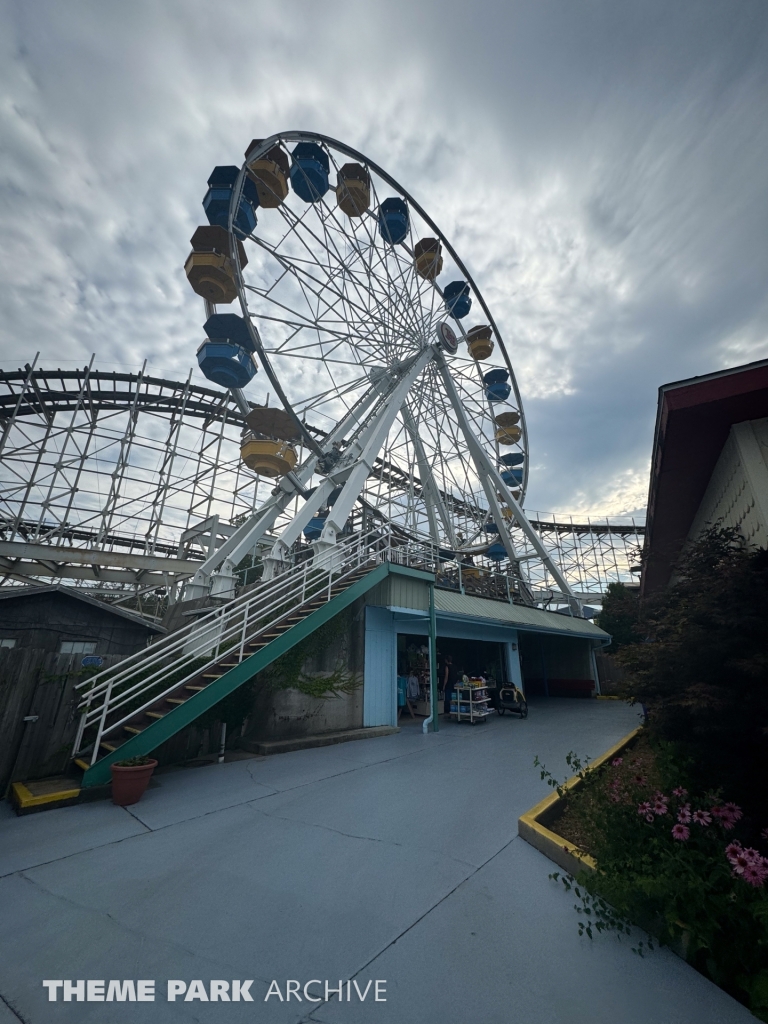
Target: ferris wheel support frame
{"type": "Point", "coordinates": [355, 466]}
{"type": "Point", "coordinates": [221, 563]}
{"type": "Point", "coordinates": [432, 498]}
{"type": "Point", "coordinates": [489, 475]}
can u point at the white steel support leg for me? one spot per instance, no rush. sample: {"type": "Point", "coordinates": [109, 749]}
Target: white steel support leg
{"type": "Point", "coordinates": [236, 547]}
{"type": "Point", "coordinates": [432, 497]}
{"type": "Point", "coordinates": [289, 536]}
{"type": "Point", "coordinates": [362, 454]}
{"type": "Point", "coordinates": [492, 483]}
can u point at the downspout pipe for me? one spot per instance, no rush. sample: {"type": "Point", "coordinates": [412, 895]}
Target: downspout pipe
{"type": "Point", "coordinates": [433, 719]}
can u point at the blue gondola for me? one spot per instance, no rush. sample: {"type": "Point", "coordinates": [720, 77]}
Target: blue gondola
{"type": "Point", "coordinates": [217, 198]}
{"type": "Point", "coordinates": [513, 459]}
{"type": "Point", "coordinates": [497, 552]}
{"type": "Point", "coordinates": [229, 327]}
{"type": "Point", "coordinates": [512, 477]}
{"type": "Point", "coordinates": [457, 299]}
{"type": "Point", "coordinates": [496, 387]}
{"type": "Point", "coordinates": [225, 363]}
{"type": "Point", "coordinates": [314, 527]}
{"type": "Point", "coordinates": [393, 220]}
{"type": "Point", "coordinates": [309, 171]}
{"type": "Point", "coordinates": [491, 527]}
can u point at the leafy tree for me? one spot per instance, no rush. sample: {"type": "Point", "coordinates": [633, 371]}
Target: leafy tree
{"type": "Point", "coordinates": [701, 667]}
{"type": "Point", "coordinates": [619, 616]}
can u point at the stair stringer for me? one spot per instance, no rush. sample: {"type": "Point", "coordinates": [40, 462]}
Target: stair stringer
{"type": "Point", "coordinates": [154, 735]}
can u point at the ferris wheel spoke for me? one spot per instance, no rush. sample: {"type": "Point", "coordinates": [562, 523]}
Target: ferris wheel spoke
{"type": "Point", "coordinates": [306, 280]}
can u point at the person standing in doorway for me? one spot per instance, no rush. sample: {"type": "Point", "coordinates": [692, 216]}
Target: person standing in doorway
{"type": "Point", "coordinates": [448, 682]}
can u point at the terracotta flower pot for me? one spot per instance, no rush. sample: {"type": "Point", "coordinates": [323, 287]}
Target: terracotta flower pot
{"type": "Point", "coordinates": [128, 784]}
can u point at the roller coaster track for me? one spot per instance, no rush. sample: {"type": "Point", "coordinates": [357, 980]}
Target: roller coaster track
{"type": "Point", "coordinates": [64, 435]}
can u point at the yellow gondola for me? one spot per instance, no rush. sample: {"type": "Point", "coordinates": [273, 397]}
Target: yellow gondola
{"type": "Point", "coordinates": [269, 173]}
{"type": "Point", "coordinates": [480, 342]}
{"type": "Point", "coordinates": [268, 458]}
{"type": "Point", "coordinates": [209, 269]}
{"type": "Point", "coordinates": [267, 450]}
{"type": "Point", "coordinates": [428, 258]}
{"type": "Point", "coordinates": [353, 190]}
{"type": "Point", "coordinates": [507, 431]}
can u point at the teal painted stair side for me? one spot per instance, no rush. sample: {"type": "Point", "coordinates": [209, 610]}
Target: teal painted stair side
{"type": "Point", "coordinates": [154, 735]}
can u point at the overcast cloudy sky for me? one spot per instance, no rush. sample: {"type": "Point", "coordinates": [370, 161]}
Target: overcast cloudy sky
{"type": "Point", "coordinates": [601, 166]}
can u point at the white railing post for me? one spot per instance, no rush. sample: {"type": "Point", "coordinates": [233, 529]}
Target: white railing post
{"type": "Point", "coordinates": [100, 730]}
{"type": "Point", "coordinates": [246, 611]}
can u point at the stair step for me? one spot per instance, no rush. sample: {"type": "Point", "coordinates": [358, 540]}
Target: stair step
{"type": "Point", "coordinates": [111, 747]}
{"type": "Point", "coordinates": [132, 729]}
{"type": "Point", "coordinates": [155, 714]}
{"type": "Point", "coordinates": [177, 700]}
{"type": "Point", "coordinates": [194, 688]}
{"type": "Point", "coordinates": [212, 675]}
{"type": "Point", "coordinates": [85, 765]}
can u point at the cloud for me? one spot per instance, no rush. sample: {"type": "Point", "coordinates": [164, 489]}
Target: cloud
{"type": "Point", "coordinates": [600, 169]}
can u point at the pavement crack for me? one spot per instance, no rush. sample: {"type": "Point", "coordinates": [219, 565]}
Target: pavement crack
{"type": "Point", "coordinates": [77, 853]}
{"type": "Point", "coordinates": [429, 910]}
{"type": "Point", "coordinates": [135, 932]}
{"type": "Point", "coordinates": [326, 828]}
{"type": "Point", "coordinates": [16, 1013]}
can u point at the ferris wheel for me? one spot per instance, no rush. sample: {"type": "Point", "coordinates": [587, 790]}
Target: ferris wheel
{"type": "Point", "coordinates": [393, 389]}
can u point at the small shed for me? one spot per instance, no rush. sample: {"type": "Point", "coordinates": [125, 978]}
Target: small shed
{"type": "Point", "coordinates": [52, 637]}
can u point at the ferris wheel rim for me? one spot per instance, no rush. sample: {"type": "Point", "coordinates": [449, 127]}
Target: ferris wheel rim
{"type": "Point", "coordinates": [305, 136]}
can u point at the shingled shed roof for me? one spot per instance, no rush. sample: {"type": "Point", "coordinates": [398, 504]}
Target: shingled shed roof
{"type": "Point", "coordinates": [23, 593]}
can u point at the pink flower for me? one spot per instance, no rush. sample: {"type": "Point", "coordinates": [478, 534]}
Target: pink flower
{"type": "Point", "coordinates": [764, 834]}
{"type": "Point", "coordinates": [639, 780]}
{"type": "Point", "coordinates": [755, 875]}
{"type": "Point", "coordinates": [733, 850]}
{"type": "Point", "coordinates": [740, 861]}
{"type": "Point", "coordinates": [680, 832]}
{"type": "Point", "coordinates": [702, 818]}
{"type": "Point", "coordinates": [684, 814]}
{"type": "Point", "coordinates": [644, 808]}
{"type": "Point", "coordinates": [649, 817]}
{"type": "Point", "coordinates": [617, 761]}
{"type": "Point", "coordinates": [729, 814]}
{"type": "Point", "coordinates": [679, 791]}
{"type": "Point", "coordinates": [734, 811]}
{"type": "Point", "coordinates": [748, 864]}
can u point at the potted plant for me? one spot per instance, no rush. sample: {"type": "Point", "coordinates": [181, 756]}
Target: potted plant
{"type": "Point", "coordinates": [130, 778]}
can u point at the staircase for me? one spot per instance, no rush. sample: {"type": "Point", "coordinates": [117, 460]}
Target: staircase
{"type": "Point", "coordinates": [132, 708]}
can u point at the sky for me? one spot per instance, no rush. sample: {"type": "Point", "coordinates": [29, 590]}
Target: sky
{"type": "Point", "coordinates": [601, 167]}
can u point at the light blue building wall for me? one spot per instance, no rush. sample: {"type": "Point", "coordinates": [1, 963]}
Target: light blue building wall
{"type": "Point", "coordinates": [401, 607]}
{"type": "Point", "coordinates": [380, 675]}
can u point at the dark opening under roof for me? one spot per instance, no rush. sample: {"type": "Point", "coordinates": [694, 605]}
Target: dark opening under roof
{"type": "Point", "coordinates": [693, 421]}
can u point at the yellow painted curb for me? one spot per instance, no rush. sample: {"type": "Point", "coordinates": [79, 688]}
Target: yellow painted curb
{"type": "Point", "coordinates": [532, 826]}
{"type": "Point", "coordinates": [607, 696]}
{"type": "Point", "coordinates": [24, 798]}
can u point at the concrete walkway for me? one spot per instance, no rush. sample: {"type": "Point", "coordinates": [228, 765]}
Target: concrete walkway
{"type": "Point", "coordinates": [394, 858]}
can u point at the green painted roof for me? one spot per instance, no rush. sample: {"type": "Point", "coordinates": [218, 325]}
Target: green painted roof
{"type": "Point", "coordinates": [515, 615]}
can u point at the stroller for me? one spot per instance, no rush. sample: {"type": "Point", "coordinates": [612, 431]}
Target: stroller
{"type": "Point", "coordinates": [513, 700]}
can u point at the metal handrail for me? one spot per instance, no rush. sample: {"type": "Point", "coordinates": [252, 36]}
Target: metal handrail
{"type": "Point", "coordinates": [227, 629]}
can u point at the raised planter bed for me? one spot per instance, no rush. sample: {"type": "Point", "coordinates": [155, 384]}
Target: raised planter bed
{"type": "Point", "coordinates": [537, 825]}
